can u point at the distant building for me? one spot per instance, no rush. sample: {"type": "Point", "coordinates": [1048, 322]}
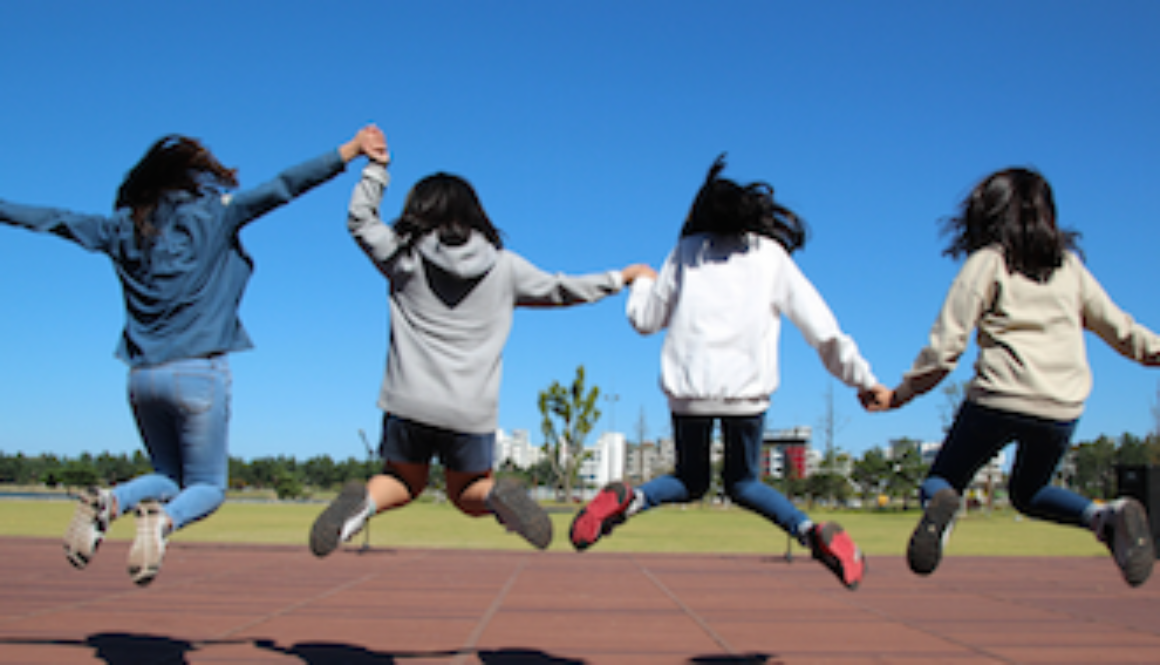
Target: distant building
{"type": "Point", "coordinates": [647, 460]}
{"type": "Point", "coordinates": [988, 479]}
{"type": "Point", "coordinates": [786, 449]}
{"type": "Point", "coordinates": [605, 462]}
{"type": "Point", "coordinates": [517, 448]}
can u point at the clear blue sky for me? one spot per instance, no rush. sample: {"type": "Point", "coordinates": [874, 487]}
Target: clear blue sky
{"type": "Point", "coordinates": [586, 128]}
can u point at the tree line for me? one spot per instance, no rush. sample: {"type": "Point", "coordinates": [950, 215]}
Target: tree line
{"type": "Point", "coordinates": [894, 472]}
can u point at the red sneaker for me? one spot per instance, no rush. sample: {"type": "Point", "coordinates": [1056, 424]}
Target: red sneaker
{"type": "Point", "coordinates": [601, 515]}
{"type": "Point", "coordinates": [836, 550]}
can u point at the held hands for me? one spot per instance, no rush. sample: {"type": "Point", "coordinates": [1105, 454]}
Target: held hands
{"type": "Point", "coordinates": [637, 270]}
{"type": "Point", "coordinates": [369, 141]}
{"type": "Point", "coordinates": [877, 399]}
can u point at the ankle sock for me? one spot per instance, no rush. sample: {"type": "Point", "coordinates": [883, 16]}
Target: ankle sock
{"type": "Point", "coordinates": [637, 504]}
{"type": "Point", "coordinates": [803, 531]}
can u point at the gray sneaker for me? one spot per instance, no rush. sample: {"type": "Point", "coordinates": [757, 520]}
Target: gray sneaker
{"type": "Point", "coordinates": [87, 528]}
{"type": "Point", "coordinates": [342, 519]}
{"type": "Point", "coordinates": [1123, 527]}
{"type": "Point", "coordinates": [149, 546]}
{"type": "Point", "coordinates": [934, 529]}
{"type": "Point", "coordinates": [518, 512]}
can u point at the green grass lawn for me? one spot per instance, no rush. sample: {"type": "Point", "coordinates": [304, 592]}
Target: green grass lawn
{"type": "Point", "coordinates": [694, 528]}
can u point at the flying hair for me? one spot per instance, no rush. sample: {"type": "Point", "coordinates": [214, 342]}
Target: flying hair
{"type": "Point", "coordinates": [724, 207]}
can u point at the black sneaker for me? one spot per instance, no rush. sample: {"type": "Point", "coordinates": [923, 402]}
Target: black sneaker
{"type": "Point", "coordinates": [519, 513]}
{"type": "Point", "coordinates": [342, 519]}
{"type": "Point", "coordinates": [1124, 529]}
{"type": "Point", "coordinates": [926, 544]}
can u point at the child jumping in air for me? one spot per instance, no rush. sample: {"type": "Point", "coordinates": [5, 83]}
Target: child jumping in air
{"type": "Point", "coordinates": [453, 289]}
{"type": "Point", "coordinates": [174, 242]}
{"type": "Point", "coordinates": [721, 293]}
{"type": "Point", "coordinates": [1029, 296]}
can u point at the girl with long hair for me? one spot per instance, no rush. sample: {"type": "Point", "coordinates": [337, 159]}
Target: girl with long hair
{"type": "Point", "coordinates": [1026, 292]}
{"type": "Point", "coordinates": [453, 289]}
{"type": "Point", "coordinates": [173, 239]}
{"type": "Point", "coordinates": [722, 294]}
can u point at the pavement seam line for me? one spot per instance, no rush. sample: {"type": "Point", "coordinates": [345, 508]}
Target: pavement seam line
{"type": "Point", "coordinates": [469, 647]}
{"type": "Point", "coordinates": [685, 608]}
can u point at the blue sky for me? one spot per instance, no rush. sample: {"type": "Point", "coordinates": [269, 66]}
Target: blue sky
{"type": "Point", "coordinates": [586, 129]}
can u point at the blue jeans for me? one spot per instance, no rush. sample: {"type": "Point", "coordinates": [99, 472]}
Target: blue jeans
{"type": "Point", "coordinates": [182, 410]}
{"type": "Point", "coordinates": [979, 433]}
{"type": "Point", "coordinates": [741, 473]}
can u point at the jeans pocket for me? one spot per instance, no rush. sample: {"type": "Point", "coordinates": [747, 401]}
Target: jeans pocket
{"type": "Point", "coordinates": [195, 391]}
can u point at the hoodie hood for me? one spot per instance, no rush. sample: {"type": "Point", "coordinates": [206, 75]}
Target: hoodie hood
{"type": "Point", "coordinates": [470, 260]}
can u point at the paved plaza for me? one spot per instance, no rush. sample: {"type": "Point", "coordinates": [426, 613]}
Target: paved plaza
{"type": "Point", "coordinates": [278, 604]}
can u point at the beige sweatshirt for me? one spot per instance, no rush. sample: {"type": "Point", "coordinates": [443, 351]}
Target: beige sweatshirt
{"type": "Point", "coordinates": [1032, 358]}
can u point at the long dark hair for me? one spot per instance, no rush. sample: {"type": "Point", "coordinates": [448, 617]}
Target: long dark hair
{"type": "Point", "coordinates": [727, 208]}
{"type": "Point", "coordinates": [1014, 209]}
{"type": "Point", "coordinates": [173, 163]}
{"type": "Point", "coordinates": [445, 204]}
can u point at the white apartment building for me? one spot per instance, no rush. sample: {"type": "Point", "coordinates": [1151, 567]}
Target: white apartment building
{"type": "Point", "coordinates": [516, 447]}
{"type": "Point", "coordinates": [605, 462]}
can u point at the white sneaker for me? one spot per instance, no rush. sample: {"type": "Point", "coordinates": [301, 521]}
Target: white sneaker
{"type": "Point", "coordinates": [87, 528]}
{"type": "Point", "coordinates": [149, 546]}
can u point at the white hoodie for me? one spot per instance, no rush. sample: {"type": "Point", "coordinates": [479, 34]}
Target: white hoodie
{"type": "Point", "coordinates": [722, 297]}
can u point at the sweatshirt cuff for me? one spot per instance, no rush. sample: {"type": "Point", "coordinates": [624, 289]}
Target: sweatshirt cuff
{"type": "Point", "coordinates": [377, 172]}
{"type": "Point", "coordinates": [617, 279]}
{"type": "Point", "coordinates": [903, 393]}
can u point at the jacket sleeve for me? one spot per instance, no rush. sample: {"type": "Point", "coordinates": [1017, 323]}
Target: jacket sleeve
{"type": "Point", "coordinates": [804, 306]}
{"type": "Point", "coordinates": [537, 288]}
{"type": "Point", "coordinates": [969, 296]}
{"type": "Point", "coordinates": [377, 239]}
{"type": "Point", "coordinates": [1116, 327]}
{"type": "Point", "coordinates": [93, 232]}
{"type": "Point", "coordinates": [244, 207]}
{"type": "Point", "coordinates": [650, 303]}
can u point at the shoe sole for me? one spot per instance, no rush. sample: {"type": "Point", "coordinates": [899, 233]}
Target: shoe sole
{"type": "Point", "coordinates": [582, 521]}
{"type": "Point", "coordinates": [517, 511]}
{"type": "Point", "coordinates": [324, 535]}
{"type": "Point", "coordinates": [850, 578]}
{"type": "Point", "coordinates": [144, 556]}
{"type": "Point", "coordinates": [925, 549]}
{"type": "Point", "coordinates": [78, 548]}
{"type": "Point", "coordinates": [1134, 549]}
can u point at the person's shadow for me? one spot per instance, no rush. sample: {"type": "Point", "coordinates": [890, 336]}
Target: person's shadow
{"type": "Point", "coordinates": [329, 653]}
{"type": "Point", "coordinates": [130, 649]}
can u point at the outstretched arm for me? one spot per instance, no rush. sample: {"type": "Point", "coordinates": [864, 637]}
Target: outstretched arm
{"type": "Point", "coordinates": [296, 181]}
{"type": "Point", "coordinates": [375, 238]}
{"type": "Point", "coordinates": [93, 232]}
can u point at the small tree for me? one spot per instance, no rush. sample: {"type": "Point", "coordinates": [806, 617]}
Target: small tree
{"type": "Point", "coordinates": [569, 414]}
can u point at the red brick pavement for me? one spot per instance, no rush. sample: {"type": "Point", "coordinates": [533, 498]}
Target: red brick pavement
{"type": "Point", "coordinates": [273, 604]}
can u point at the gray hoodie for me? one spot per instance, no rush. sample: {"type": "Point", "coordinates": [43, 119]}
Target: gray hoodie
{"type": "Point", "coordinates": [451, 313]}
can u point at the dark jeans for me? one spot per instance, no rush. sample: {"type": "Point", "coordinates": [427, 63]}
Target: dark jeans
{"type": "Point", "coordinates": [979, 433]}
{"type": "Point", "coordinates": [741, 475]}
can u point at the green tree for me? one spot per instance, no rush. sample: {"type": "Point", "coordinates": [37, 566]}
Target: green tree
{"type": "Point", "coordinates": [870, 474]}
{"type": "Point", "coordinates": [288, 486]}
{"type": "Point", "coordinates": [907, 471]}
{"type": "Point", "coordinates": [1093, 468]}
{"type": "Point", "coordinates": [79, 473]}
{"type": "Point", "coordinates": [569, 414]}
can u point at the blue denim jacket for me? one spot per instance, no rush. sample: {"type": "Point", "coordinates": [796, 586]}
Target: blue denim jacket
{"type": "Point", "coordinates": [182, 292]}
